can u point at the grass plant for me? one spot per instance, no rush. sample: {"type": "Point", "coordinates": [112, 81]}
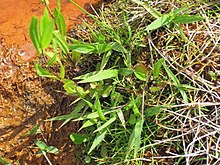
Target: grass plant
{"type": "Point", "coordinates": [147, 86]}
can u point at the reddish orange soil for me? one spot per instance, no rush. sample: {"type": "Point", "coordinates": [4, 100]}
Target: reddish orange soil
{"type": "Point", "coordinates": [26, 99]}
{"type": "Point", "coordinates": [15, 17]}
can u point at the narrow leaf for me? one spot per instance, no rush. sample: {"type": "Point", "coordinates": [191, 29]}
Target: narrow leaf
{"type": "Point", "coordinates": [106, 124]}
{"type": "Point", "coordinates": [100, 136]}
{"type": "Point", "coordinates": [159, 22]}
{"type": "Point", "coordinates": [60, 40]}
{"type": "Point", "coordinates": [102, 75]}
{"type": "Point", "coordinates": [34, 35]}
{"type": "Point", "coordinates": [157, 67]}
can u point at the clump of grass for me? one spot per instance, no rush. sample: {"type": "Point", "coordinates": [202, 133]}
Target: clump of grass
{"type": "Point", "coordinates": [151, 91]}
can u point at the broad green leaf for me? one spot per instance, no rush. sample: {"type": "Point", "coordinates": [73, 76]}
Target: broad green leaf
{"type": "Point", "coordinates": [79, 138]}
{"type": "Point", "coordinates": [101, 75]}
{"type": "Point", "coordinates": [88, 123]}
{"type": "Point", "coordinates": [44, 21]}
{"type": "Point", "coordinates": [187, 19]}
{"type": "Point", "coordinates": [99, 137]}
{"type": "Point", "coordinates": [34, 34]}
{"type": "Point", "coordinates": [44, 73]}
{"type": "Point", "coordinates": [106, 124]}
{"type": "Point", "coordinates": [46, 30]}
{"type": "Point", "coordinates": [132, 119]}
{"type": "Point", "coordinates": [125, 71]}
{"type": "Point", "coordinates": [60, 40]}
{"type": "Point", "coordinates": [141, 72]}
{"type": "Point", "coordinates": [98, 108]}
{"type": "Point", "coordinates": [60, 22]}
{"type": "Point", "coordinates": [157, 67]}
{"type": "Point", "coordinates": [137, 137]}
{"type": "Point", "coordinates": [153, 110]}
{"type": "Point", "coordinates": [83, 48]}
{"type": "Point", "coordinates": [41, 144]}
{"type": "Point", "coordinates": [118, 47]}
{"type": "Point", "coordinates": [102, 48]}
{"type": "Point", "coordinates": [159, 22]}
{"type": "Point", "coordinates": [52, 150]}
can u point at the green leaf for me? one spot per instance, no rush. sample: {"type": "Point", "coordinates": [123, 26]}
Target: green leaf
{"type": "Point", "coordinates": [102, 48]}
{"type": "Point", "coordinates": [83, 48]}
{"type": "Point", "coordinates": [44, 73]}
{"type": "Point", "coordinates": [60, 22]}
{"type": "Point", "coordinates": [153, 110]}
{"type": "Point", "coordinates": [125, 71]}
{"type": "Point", "coordinates": [101, 75]}
{"type": "Point", "coordinates": [159, 22]}
{"type": "Point", "coordinates": [34, 130]}
{"type": "Point", "coordinates": [137, 137]}
{"type": "Point", "coordinates": [34, 35]}
{"type": "Point", "coordinates": [4, 162]}
{"type": "Point", "coordinates": [98, 108]}
{"type": "Point", "coordinates": [187, 19]}
{"type": "Point", "coordinates": [73, 115]}
{"type": "Point", "coordinates": [46, 30]}
{"type": "Point", "coordinates": [105, 59]}
{"type": "Point", "coordinates": [177, 83]}
{"type": "Point", "coordinates": [157, 67]}
{"type": "Point", "coordinates": [99, 137]}
{"type": "Point", "coordinates": [88, 123]}
{"type": "Point", "coordinates": [52, 150]}
{"type": "Point", "coordinates": [79, 138]}
{"type": "Point", "coordinates": [60, 40]}
{"type": "Point", "coordinates": [106, 124]}
{"type": "Point", "coordinates": [118, 47]}
{"type": "Point", "coordinates": [41, 145]}
{"type": "Point", "coordinates": [141, 72]}
{"type": "Point", "coordinates": [132, 119]}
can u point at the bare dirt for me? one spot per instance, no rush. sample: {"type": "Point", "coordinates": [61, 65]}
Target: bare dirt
{"type": "Point", "coordinates": [25, 99]}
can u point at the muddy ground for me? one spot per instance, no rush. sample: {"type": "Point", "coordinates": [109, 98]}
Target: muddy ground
{"type": "Point", "coordinates": [26, 100]}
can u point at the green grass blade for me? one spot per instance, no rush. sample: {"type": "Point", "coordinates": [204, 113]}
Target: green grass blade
{"type": "Point", "coordinates": [101, 75]}
{"type": "Point", "coordinates": [100, 136]}
{"type": "Point", "coordinates": [106, 124]}
{"type": "Point", "coordinates": [177, 83]}
{"type": "Point", "coordinates": [98, 108]}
